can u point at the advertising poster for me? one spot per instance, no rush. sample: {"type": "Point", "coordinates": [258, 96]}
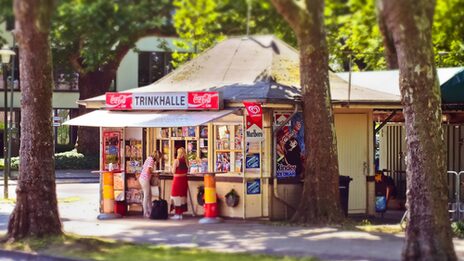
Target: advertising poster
{"type": "Point", "coordinates": [290, 148]}
{"type": "Point", "coordinates": [252, 161]}
{"type": "Point", "coordinates": [254, 187]}
{"type": "Point", "coordinates": [111, 148]}
{"type": "Point", "coordinates": [254, 122]}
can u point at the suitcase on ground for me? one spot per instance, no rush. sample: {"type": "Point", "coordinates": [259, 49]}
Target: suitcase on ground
{"type": "Point", "coordinates": [159, 209]}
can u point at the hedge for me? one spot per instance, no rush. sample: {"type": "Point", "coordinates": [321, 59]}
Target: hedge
{"type": "Point", "coordinates": [67, 160]}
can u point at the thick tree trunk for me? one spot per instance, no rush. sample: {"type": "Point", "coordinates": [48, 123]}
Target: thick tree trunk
{"type": "Point", "coordinates": [91, 84]}
{"type": "Point", "coordinates": [428, 235]}
{"type": "Point", "coordinates": [320, 203]}
{"type": "Point", "coordinates": [36, 210]}
{"type": "Point", "coordinates": [390, 51]}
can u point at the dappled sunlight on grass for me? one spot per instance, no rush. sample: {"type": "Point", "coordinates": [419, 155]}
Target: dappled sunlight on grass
{"type": "Point", "coordinates": [302, 232]}
{"type": "Point", "coordinates": [388, 229]}
{"type": "Point", "coordinates": [100, 249]}
{"type": "Point", "coordinates": [351, 235]}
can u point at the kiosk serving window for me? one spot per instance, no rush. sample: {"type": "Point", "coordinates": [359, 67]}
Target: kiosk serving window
{"type": "Point", "coordinates": [193, 139]}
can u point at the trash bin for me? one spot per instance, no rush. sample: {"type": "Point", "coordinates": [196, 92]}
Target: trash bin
{"type": "Point", "coordinates": [344, 190]}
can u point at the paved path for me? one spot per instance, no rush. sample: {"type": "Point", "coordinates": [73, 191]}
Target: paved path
{"type": "Point", "coordinates": [231, 236]}
{"type": "Point", "coordinates": [62, 176]}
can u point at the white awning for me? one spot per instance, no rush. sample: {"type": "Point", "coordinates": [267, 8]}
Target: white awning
{"type": "Point", "coordinates": [105, 118]}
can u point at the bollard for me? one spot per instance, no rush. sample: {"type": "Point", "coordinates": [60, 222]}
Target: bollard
{"type": "Point", "coordinates": [107, 192]}
{"type": "Point", "coordinates": [211, 211]}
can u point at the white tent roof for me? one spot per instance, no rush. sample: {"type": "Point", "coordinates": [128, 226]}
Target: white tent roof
{"type": "Point", "coordinates": [389, 81]}
{"type": "Point", "coordinates": [105, 118]}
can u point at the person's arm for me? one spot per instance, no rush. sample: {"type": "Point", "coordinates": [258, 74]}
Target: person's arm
{"type": "Point", "coordinates": [174, 166]}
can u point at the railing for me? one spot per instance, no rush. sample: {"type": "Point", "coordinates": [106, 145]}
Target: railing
{"type": "Point", "coordinates": [455, 205]}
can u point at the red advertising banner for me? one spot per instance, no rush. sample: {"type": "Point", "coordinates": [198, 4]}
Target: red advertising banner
{"type": "Point", "coordinates": [254, 122]}
{"type": "Point", "coordinates": [164, 101]}
{"type": "Point", "coordinates": [255, 114]}
{"type": "Point", "coordinates": [118, 101]}
{"type": "Point", "coordinates": [203, 100]}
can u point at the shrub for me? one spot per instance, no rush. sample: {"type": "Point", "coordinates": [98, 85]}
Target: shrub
{"type": "Point", "coordinates": [458, 229]}
{"type": "Point", "coordinates": [74, 160]}
{"type": "Point", "coordinates": [68, 160]}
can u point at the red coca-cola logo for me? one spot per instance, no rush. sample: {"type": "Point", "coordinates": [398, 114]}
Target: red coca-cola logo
{"type": "Point", "coordinates": [118, 101]}
{"type": "Point", "coordinates": [203, 100]}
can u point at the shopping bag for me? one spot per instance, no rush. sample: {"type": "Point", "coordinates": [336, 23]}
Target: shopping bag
{"type": "Point", "coordinates": [380, 203]}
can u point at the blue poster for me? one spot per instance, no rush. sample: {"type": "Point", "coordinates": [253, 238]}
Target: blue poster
{"type": "Point", "coordinates": [290, 147]}
{"type": "Point", "coordinates": [254, 187]}
{"type": "Point", "coordinates": [252, 161]}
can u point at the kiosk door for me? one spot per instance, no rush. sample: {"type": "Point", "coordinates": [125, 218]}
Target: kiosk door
{"type": "Point", "coordinates": [353, 157]}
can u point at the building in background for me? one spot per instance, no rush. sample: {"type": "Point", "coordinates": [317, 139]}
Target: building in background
{"type": "Point", "coordinates": [146, 63]}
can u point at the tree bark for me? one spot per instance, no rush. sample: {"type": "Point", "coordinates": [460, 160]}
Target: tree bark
{"type": "Point", "coordinates": [36, 210]}
{"type": "Point", "coordinates": [92, 84]}
{"type": "Point", "coordinates": [320, 202]}
{"type": "Point", "coordinates": [428, 234]}
{"type": "Point", "coordinates": [390, 52]}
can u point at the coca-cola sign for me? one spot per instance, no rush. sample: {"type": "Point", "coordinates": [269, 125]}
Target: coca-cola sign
{"type": "Point", "coordinates": [118, 101]}
{"type": "Point", "coordinates": [164, 101]}
{"type": "Point", "coordinates": [203, 100]}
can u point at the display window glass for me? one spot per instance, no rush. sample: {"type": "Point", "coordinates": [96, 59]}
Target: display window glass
{"type": "Point", "coordinates": [229, 148]}
{"type": "Point", "coordinates": [193, 139]}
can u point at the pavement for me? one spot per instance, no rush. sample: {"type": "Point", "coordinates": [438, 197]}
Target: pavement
{"type": "Point", "coordinates": [61, 176]}
{"type": "Point", "coordinates": [232, 235]}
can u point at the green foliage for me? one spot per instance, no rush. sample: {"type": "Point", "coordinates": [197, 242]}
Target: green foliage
{"type": "Point", "coordinates": [365, 222]}
{"type": "Point", "coordinates": [103, 249]}
{"type": "Point", "coordinates": [202, 23]}
{"type": "Point", "coordinates": [448, 33]}
{"type": "Point", "coordinates": [353, 32]}
{"type": "Point", "coordinates": [6, 11]}
{"type": "Point", "coordinates": [95, 30]}
{"type": "Point", "coordinates": [74, 160]}
{"type": "Point", "coordinates": [67, 160]}
{"type": "Point", "coordinates": [458, 229]}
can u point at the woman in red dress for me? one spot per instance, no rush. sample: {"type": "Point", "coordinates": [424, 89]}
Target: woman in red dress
{"type": "Point", "coordinates": [179, 184]}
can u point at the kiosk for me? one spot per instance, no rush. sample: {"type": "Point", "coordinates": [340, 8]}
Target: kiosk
{"type": "Point", "coordinates": [237, 110]}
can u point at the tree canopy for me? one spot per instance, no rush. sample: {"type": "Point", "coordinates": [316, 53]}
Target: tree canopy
{"type": "Point", "coordinates": [352, 29]}
{"type": "Point", "coordinates": [92, 33]}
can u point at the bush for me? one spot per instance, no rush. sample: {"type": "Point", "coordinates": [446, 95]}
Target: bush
{"type": "Point", "coordinates": [458, 229]}
{"type": "Point", "coordinates": [68, 160]}
{"type": "Point", "coordinates": [74, 160]}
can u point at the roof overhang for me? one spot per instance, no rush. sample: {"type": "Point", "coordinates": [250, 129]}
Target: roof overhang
{"type": "Point", "coordinates": [160, 119]}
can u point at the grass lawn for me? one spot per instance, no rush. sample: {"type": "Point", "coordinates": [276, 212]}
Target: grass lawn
{"type": "Point", "coordinates": [102, 249]}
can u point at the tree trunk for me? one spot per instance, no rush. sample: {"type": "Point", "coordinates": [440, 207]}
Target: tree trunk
{"type": "Point", "coordinates": [36, 210]}
{"type": "Point", "coordinates": [320, 202]}
{"type": "Point", "coordinates": [428, 234]}
{"type": "Point", "coordinates": [390, 52]}
{"type": "Point", "coordinates": [91, 84]}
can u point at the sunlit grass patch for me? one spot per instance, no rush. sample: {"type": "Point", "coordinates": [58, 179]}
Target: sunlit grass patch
{"type": "Point", "coordinates": [388, 229]}
{"type": "Point", "coordinates": [102, 249]}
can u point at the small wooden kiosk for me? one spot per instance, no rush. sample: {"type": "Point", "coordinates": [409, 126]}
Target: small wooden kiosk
{"type": "Point", "coordinates": [236, 110]}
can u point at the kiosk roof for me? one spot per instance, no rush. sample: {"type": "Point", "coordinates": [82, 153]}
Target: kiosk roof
{"type": "Point", "coordinates": [260, 68]}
